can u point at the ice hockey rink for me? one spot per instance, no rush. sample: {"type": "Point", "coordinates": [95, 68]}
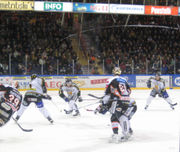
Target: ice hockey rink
{"type": "Point", "coordinates": [155, 129]}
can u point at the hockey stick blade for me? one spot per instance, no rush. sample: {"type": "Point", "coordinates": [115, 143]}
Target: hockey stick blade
{"type": "Point", "coordinates": [174, 104]}
{"type": "Point", "coordinates": [23, 129]}
{"type": "Point", "coordinates": [91, 95]}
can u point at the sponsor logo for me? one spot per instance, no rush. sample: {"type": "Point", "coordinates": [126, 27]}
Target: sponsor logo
{"type": "Point", "coordinates": [177, 81]}
{"type": "Point", "coordinates": [53, 6]}
{"type": "Point", "coordinates": [99, 81]}
{"type": "Point", "coordinates": [160, 11]}
{"type": "Point", "coordinates": [126, 9]}
{"type": "Point", "coordinates": [17, 5]}
{"type": "Point", "coordinates": [19, 78]}
{"type": "Point", "coordinates": [79, 83]}
{"type": "Point", "coordinates": [99, 8]}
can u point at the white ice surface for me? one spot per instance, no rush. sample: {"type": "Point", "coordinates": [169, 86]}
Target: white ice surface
{"type": "Point", "coordinates": [155, 130]}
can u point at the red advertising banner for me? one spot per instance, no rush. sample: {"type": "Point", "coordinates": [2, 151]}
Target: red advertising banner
{"type": "Point", "coordinates": [161, 10]}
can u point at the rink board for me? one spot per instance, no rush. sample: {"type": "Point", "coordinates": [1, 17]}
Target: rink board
{"type": "Point", "coordinates": [91, 82]}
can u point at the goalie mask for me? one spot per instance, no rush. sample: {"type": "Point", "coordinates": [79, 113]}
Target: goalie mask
{"type": "Point", "coordinates": [116, 71]}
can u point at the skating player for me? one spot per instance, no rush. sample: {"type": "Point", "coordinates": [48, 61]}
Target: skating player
{"type": "Point", "coordinates": [36, 93]}
{"type": "Point", "coordinates": [158, 88]}
{"type": "Point", "coordinates": [118, 102]}
{"type": "Point", "coordinates": [72, 96]}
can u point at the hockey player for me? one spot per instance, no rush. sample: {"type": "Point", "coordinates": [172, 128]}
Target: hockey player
{"type": "Point", "coordinates": [118, 102]}
{"type": "Point", "coordinates": [72, 95]}
{"type": "Point", "coordinates": [10, 102]}
{"type": "Point", "coordinates": [158, 88]}
{"type": "Point", "coordinates": [35, 94]}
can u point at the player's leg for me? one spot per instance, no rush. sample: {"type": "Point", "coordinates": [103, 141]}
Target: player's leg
{"type": "Point", "coordinates": [43, 110]}
{"type": "Point", "coordinates": [73, 107]}
{"type": "Point", "coordinates": [168, 99]}
{"type": "Point", "coordinates": [150, 98]}
{"type": "Point", "coordinates": [129, 113]}
{"type": "Point", "coordinates": [115, 128]}
{"type": "Point", "coordinates": [22, 108]}
{"type": "Point", "coordinates": [125, 125]}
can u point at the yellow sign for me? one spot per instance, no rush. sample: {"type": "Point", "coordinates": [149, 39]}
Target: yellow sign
{"type": "Point", "coordinates": [17, 5]}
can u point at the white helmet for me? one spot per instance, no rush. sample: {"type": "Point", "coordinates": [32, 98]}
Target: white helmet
{"type": "Point", "coordinates": [116, 71]}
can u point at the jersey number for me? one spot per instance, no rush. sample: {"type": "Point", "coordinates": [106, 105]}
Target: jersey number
{"type": "Point", "coordinates": [15, 101]}
{"type": "Point", "coordinates": [122, 88]}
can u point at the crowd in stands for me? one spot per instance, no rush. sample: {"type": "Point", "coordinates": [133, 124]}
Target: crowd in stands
{"type": "Point", "coordinates": [149, 45]}
{"type": "Point", "coordinates": [34, 42]}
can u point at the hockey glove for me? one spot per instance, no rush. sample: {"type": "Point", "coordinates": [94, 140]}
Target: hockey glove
{"type": "Point", "coordinates": [66, 99]}
{"type": "Point", "coordinates": [103, 109]}
{"type": "Point", "coordinates": [164, 93]}
{"type": "Point", "coordinates": [80, 99]}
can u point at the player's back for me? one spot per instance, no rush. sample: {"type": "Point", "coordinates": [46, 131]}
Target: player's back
{"type": "Point", "coordinates": [120, 86]}
{"type": "Point", "coordinates": [36, 84]}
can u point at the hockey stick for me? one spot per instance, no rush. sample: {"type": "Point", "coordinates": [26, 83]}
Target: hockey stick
{"type": "Point", "coordinates": [91, 95]}
{"type": "Point", "coordinates": [88, 105]}
{"type": "Point", "coordinates": [26, 130]}
{"type": "Point", "coordinates": [55, 105]}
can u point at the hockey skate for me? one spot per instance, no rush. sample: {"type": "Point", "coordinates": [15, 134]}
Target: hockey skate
{"type": "Point", "coordinates": [80, 99]}
{"type": "Point", "coordinates": [146, 107]}
{"type": "Point", "coordinates": [130, 131]}
{"type": "Point", "coordinates": [68, 111]}
{"type": "Point", "coordinates": [114, 139]}
{"type": "Point", "coordinates": [76, 113]}
{"type": "Point", "coordinates": [50, 120]}
{"type": "Point", "coordinates": [172, 105]}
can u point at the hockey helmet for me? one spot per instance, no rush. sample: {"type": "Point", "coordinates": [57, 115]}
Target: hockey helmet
{"type": "Point", "coordinates": [33, 76]}
{"type": "Point", "coordinates": [157, 76]}
{"type": "Point", "coordinates": [116, 71]}
{"type": "Point", "coordinates": [68, 81]}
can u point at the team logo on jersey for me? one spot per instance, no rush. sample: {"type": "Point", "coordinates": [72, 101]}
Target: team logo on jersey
{"type": "Point", "coordinates": [119, 109]}
{"type": "Point", "coordinates": [177, 81]}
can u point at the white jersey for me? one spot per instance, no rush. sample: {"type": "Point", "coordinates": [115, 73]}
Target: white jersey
{"type": "Point", "coordinates": [36, 85]}
{"type": "Point", "coordinates": [158, 85]}
{"type": "Point", "coordinates": [71, 92]}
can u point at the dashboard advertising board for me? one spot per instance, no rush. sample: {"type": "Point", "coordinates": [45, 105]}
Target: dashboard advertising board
{"type": "Point", "coordinates": [126, 9]}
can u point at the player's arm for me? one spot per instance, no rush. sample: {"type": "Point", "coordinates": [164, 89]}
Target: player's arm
{"type": "Point", "coordinates": [128, 88]}
{"type": "Point", "coordinates": [149, 82]}
{"type": "Point", "coordinates": [62, 95]}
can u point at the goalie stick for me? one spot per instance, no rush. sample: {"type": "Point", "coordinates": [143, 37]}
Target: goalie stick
{"type": "Point", "coordinates": [25, 130]}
